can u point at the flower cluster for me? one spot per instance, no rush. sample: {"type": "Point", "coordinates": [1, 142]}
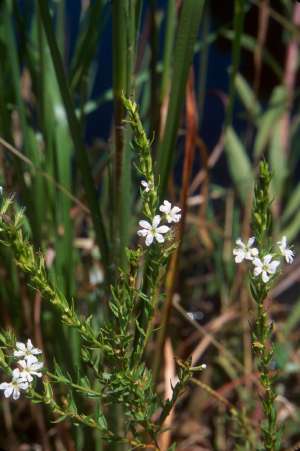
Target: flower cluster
{"type": "Point", "coordinates": [264, 266]}
{"type": "Point", "coordinates": [153, 230]}
{"type": "Point", "coordinates": [28, 366]}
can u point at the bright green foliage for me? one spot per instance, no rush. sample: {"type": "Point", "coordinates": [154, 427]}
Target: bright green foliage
{"type": "Point", "coordinates": [112, 357]}
{"type": "Point", "coordinates": [262, 331]}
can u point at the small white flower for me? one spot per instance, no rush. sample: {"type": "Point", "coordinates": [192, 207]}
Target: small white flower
{"type": "Point", "coordinates": [26, 350]}
{"type": "Point", "coordinates": [29, 368]}
{"type": "Point", "coordinates": [266, 267]}
{"type": "Point", "coordinates": [245, 251]}
{"type": "Point", "coordinates": [146, 186]}
{"type": "Point", "coordinates": [172, 213]}
{"type": "Point", "coordinates": [15, 386]}
{"type": "Point", "coordinates": [151, 231]}
{"type": "Point", "coordinates": [285, 250]}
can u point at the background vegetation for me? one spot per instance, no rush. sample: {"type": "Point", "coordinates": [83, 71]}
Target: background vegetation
{"type": "Point", "coordinates": [65, 152]}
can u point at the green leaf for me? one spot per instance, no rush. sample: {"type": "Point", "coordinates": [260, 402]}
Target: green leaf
{"type": "Point", "coordinates": [293, 204]}
{"type": "Point", "coordinates": [270, 118]}
{"type": "Point", "coordinates": [278, 162]}
{"type": "Point", "coordinates": [247, 96]}
{"type": "Point", "coordinates": [238, 163]}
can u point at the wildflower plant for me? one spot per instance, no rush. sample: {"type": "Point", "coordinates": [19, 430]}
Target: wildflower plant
{"type": "Point", "coordinates": [265, 261]}
{"type": "Point", "coordinates": [114, 372]}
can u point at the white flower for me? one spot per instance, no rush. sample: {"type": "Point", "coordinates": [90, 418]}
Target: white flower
{"type": "Point", "coordinates": [245, 251]}
{"type": "Point", "coordinates": [146, 186]}
{"type": "Point", "coordinates": [266, 267]}
{"type": "Point", "coordinates": [15, 386]}
{"type": "Point", "coordinates": [151, 231]}
{"type": "Point", "coordinates": [285, 250]}
{"type": "Point", "coordinates": [26, 350]}
{"type": "Point", "coordinates": [30, 367]}
{"type": "Point", "coordinates": [172, 214]}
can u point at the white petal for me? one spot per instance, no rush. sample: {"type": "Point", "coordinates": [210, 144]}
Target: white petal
{"type": "Point", "coordinates": [145, 224]}
{"type": "Point", "coordinates": [163, 229]}
{"type": "Point", "coordinates": [149, 239]}
{"type": "Point", "coordinates": [31, 360]}
{"type": "Point", "coordinates": [8, 391]}
{"type": "Point", "coordinates": [16, 394]}
{"type": "Point", "coordinates": [36, 366]}
{"type": "Point", "coordinates": [21, 346]}
{"type": "Point", "coordinates": [166, 207]}
{"type": "Point", "coordinates": [16, 373]}
{"type": "Point", "coordinates": [19, 353]}
{"type": "Point", "coordinates": [273, 266]}
{"type": "Point", "coordinates": [159, 237]}
{"type": "Point", "coordinates": [254, 251]}
{"type": "Point", "coordinates": [267, 258]}
{"type": "Point", "coordinates": [240, 243]}
{"type": "Point", "coordinates": [22, 363]}
{"type": "Point", "coordinates": [257, 270]}
{"type": "Point", "coordinates": [248, 255]}
{"type": "Point", "coordinates": [239, 258]}
{"type": "Point", "coordinates": [143, 232]}
{"type": "Point", "coordinates": [156, 220]}
{"type": "Point", "coordinates": [289, 256]}
{"type": "Point", "coordinates": [23, 385]}
{"type": "Point", "coordinates": [257, 262]}
{"type": "Point", "coordinates": [240, 255]}
{"type": "Point", "coordinates": [265, 277]}
{"type": "Point", "coordinates": [175, 210]}
{"type": "Point", "coordinates": [29, 345]}
{"type": "Point", "coordinates": [251, 241]}
{"type": "Point", "coordinates": [4, 385]}
{"type": "Point", "coordinates": [37, 374]}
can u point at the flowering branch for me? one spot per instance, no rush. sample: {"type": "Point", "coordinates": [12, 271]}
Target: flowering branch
{"type": "Point", "coordinates": [266, 260]}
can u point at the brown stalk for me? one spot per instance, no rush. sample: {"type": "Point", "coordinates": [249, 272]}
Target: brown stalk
{"type": "Point", "coordinates": [190, 146]}
{"type": "Point", "coordinates": [169, 378]}
{"type": "Point", "coordinates": [263, 21]}
{"type": "Point", "coordinates": [289, 80]}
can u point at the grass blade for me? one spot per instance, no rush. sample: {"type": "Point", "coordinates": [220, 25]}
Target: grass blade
{"type": "Point", "coordinates": [187, 31]}
{"type": "Point", "coordinates": [75, 132]}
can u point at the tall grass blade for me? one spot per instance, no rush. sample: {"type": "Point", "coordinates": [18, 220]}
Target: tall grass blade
{"type": "Point", "coordinates": [75, 132]}
{"type": "Point", "coordinates": [187, 31]}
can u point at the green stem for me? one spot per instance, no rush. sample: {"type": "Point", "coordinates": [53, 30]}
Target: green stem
{"type": "Point", "coordinates": [264, 354]}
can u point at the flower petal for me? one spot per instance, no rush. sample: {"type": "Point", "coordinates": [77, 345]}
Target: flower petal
{"type": "Point", "coordinates": [257, 271]}
{"type": "Point", "coordinates": [257, 262]}
{"type": "Point", "coordinates": [267, 258]}
{"type": "Point", "coordinates": [156, 220]}
{"type": "Point", "coordinates": [145, 224]}
{"type": "Point", "coordinates": [159, 237]}
{"type": "Point", "coordinates": [273, 266]}
{"type": "Point", "coordinates": [143, 232]}
{"type": "Point", "coordinates": [29, 344]}
{"type": "Point", "coordinates": [251, 241]}
{"type": "Point", "coordinates": [265, 277]}
{"type": "Point", "coordinates": [21, 346]}
{"type": "Point", "coordinates": [8, 391]}
{"type": "Point", "coordinates": [163, 229]}
{"type": "Point", "coordinates": [16, 394]}
{"type": "Point", "coordinates": [149, 239]}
